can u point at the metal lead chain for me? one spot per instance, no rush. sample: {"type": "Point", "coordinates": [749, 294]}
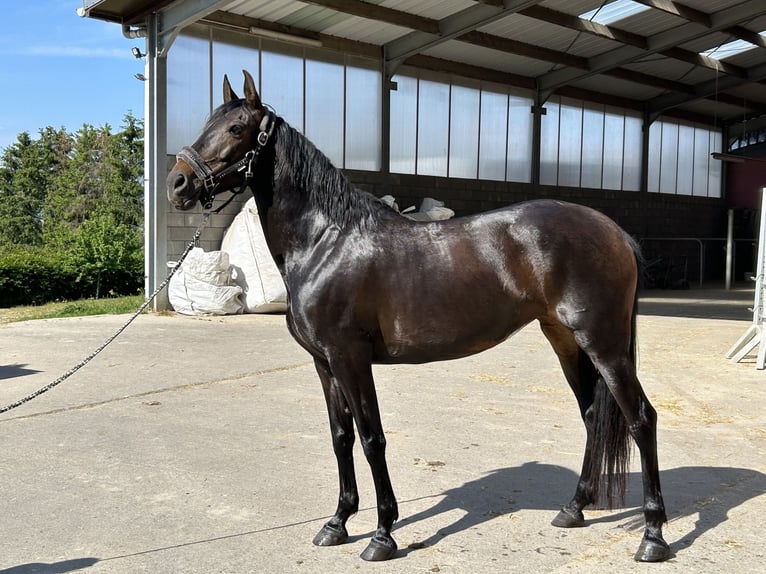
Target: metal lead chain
{"type": "Point", "coordinates": [90, 357]}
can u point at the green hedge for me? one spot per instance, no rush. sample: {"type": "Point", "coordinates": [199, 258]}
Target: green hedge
{"type": "Point", "coordinates": [34, 277]}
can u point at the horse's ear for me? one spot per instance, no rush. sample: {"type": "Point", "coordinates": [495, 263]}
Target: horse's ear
{"type": "Point", "coordinates": [251, 94]}
{"type": "Point", "coordinates": [228, 93]}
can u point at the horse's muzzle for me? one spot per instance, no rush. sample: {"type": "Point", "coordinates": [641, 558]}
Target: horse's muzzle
{"type": "Point", "coordinates": [182, 192]}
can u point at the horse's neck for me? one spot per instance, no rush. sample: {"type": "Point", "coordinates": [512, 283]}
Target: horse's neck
{"type": "Point", "coordinates": [309, 194]}
{"type": "Point", "coordinates": [291, 221]}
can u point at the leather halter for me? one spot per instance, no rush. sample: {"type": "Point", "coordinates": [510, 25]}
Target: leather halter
{"type": "Point", "coordinates": [211, 180]}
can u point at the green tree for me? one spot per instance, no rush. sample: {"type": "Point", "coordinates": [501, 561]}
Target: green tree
{"type": "Point", "coordinates": [27, 170]}
{"type": "Point", "coordinates": [105, 250]}
{"type": "Point", "coordinates": [103, 176]}
{"type": "Point", "coordinates": [79, 197]}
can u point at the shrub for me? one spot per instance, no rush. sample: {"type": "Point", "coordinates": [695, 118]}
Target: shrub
{"type": "Point", "coordinates": [30, 276]}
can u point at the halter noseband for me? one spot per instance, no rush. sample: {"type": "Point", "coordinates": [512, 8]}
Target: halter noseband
{"type": "Point", "coordinates": [211, 180]}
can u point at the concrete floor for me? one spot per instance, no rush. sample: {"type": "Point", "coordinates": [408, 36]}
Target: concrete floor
{"type": "Point", "coordinates": [202, 446]}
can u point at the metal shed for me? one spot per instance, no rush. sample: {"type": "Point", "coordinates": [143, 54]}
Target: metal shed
{"type": "Point", "coordinates": [695, 66]}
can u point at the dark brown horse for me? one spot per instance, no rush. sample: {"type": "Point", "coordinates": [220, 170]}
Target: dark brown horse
{"type": "Point", "coordinates": [367, 285]}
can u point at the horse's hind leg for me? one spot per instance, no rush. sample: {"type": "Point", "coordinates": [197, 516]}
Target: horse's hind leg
{"type": "Point", "coordinates": [620, 376]}
{"type": "Point", "coordinates": [342, 428]}
{"type": "Point", "coordinates": [583, 372]}
{"type": "Point", "coordinates": [581, 376]}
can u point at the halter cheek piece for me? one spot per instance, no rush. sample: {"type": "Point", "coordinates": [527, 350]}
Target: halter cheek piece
{"type": "Point", "coordinates": [212, 180]}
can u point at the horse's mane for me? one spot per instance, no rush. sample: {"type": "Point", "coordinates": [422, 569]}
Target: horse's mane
{"type": "Point", "coordinates": [310, 173]}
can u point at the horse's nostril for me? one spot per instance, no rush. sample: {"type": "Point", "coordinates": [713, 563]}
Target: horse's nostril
{"type": "Point", "coordinates": [180, 182]}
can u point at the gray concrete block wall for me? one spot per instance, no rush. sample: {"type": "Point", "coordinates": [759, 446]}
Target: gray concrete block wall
{"type": "Point", "coordinates": [641, 214]}
{"type": "Point", "coordinates": [183, 224]}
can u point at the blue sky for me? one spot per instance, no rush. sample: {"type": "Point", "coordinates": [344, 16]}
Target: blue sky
{"type": "Point", "coordinates": [60, 70]}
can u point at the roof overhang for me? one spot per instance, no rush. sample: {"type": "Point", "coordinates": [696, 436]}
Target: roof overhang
{"type": "Point", "coordinates": [651, 61]}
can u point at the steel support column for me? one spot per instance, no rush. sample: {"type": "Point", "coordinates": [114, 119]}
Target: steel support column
{"type": "Point", "coordinates": [155, 166]}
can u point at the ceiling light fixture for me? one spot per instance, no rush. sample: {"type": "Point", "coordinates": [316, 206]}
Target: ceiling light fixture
{"type": "Point", "coordinates": [285, 37]}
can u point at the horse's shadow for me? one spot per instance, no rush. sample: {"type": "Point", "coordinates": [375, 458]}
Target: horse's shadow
{"type": "Point", "coordinates": [17, 370]}
{"type": "Point", "coordinates": [53, 568]}
{"type": "Point", "coordinates": [709, 492]}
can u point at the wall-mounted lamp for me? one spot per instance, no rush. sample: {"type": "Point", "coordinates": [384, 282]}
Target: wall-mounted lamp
{"type": "Point", "coordinates": [137, 53]}
{"type": "Point", "coordinates": [285, 37]}
{"type": "Point", "coordinates": [140, 77]}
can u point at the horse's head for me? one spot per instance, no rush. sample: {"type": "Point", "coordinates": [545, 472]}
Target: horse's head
{"type": "Point", "coordinates": [222, 157]}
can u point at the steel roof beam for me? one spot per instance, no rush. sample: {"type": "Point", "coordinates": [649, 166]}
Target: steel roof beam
{"type": "Point", "coordinates": [707, 89]}
{"type": "Point", "coordinates": [655, 44]}
{"type": "Point", "coordinates": [748, 36]}
{"type": "Point", "coordinates": [178, 16]}
{"type": "Point", "coordinates": [581, 25]}
{"type": "Point", "coordinates": [460, 23]}
{"type": "Point", "coordinates": [610, 33]}
{"type": "Point", "coordinates": [694, 15]}
{"type": "Point", "coordinates": [681, 10]}
{"type": "Point", "coordinates": [380, 14]}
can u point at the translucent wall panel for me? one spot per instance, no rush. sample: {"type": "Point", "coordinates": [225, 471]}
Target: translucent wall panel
{"type": "Point", "coordinates": [324, 108]}
{"type": "Point", "coordinates": [404, 124]}
{"type": "Point", "coordinates": [493, 138]}
{"type": "Point", "coordinates": [655, 151]}
{"type": "Point", "coordinates": [233, 53]}
{"type": "Point", "coordinates": [308, 88]}
{"type": "Point", "coordinates": [549, 145]}
{"type": "Point", "coordinates": [282, 84]}
{"type": "Point", "coordinates": [669, 158]}
{"type": "Point", "coordinates": [714, 181]}
{"type": "Point", "coordinates": [701, 161]}
{"type": "Point", "coordinates": [685, 169]}
{"type": "Point", "coordinates": [680, 162]}
{"type": "Point", "coordinates": [363, 87]}
{"type": "Point", "coordinates": [592, 147]}
{"type": "Point", "coordinates": [632, 155]}
{"type": "Point", "coordinates": [614, 134]}
{"type": "Point", "coordinates": [519, 162]}
{"type": "Point", "coordinates": [433, 128]}
{"type": "Point", "coordinates": [188, 90]}
{"type": "Point", "coordinates": [570, 145]}
{"type": "Point", "coordinates": [464, 132]}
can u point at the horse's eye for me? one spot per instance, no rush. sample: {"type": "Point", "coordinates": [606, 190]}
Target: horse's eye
{"type": "Point", "coordinates": [235, 130]}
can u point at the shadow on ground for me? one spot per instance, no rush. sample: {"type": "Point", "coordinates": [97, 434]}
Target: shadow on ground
{"type": "Point", "coordinates": [719, 303]}
{"type": "Point", "coordinates": [709, 492]}
{"type": "Point", "coordinates": [12, 371]}
{"type": "Point", "coordinates": [54, 568]}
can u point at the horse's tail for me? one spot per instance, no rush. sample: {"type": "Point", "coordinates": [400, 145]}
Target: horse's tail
{"type": "Point", "coordinates": [611, 442]}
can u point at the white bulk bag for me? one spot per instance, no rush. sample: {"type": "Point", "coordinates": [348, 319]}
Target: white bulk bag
{"type": "Point", "coordinates": [204, 286]}
{"type": "Point", "coordinates": [253, 268]}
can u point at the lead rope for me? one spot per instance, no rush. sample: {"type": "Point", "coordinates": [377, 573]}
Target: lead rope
{"type": "Point", "coordinates": [195, 240]}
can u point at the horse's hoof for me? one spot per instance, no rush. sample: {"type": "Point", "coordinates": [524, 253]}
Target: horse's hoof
{"type": "Point", "coordinates": [566, 519]}
{"type": "Point", "coordinates": [331, 536]}
{"type": "Point", "coordinates": [379, 549]}
{"type": "Point", "coordinates": [653, 550]}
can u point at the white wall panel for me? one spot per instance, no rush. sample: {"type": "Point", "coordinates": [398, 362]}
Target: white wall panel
{"type": "Point", "coordinates": [464, 132]}
{"type": "Point", "coordinates": [493, 139]}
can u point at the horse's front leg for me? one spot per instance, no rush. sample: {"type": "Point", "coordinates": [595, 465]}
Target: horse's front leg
{"type": "Point", "coordinates": [353, 371]}
{"type": "Point", "coordinates": [342, 428]}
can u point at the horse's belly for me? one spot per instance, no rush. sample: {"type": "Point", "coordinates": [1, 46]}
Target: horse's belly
{"type": "Point", "coordinates": [422, 342]}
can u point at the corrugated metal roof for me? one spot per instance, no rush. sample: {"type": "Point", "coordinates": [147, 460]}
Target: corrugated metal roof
{"type": "Point", "coordinates": [545, 42]}
{"type": "Point", "coordinates": [435, 9]}
{"type": "Point", "coordinates": [365, 30]}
